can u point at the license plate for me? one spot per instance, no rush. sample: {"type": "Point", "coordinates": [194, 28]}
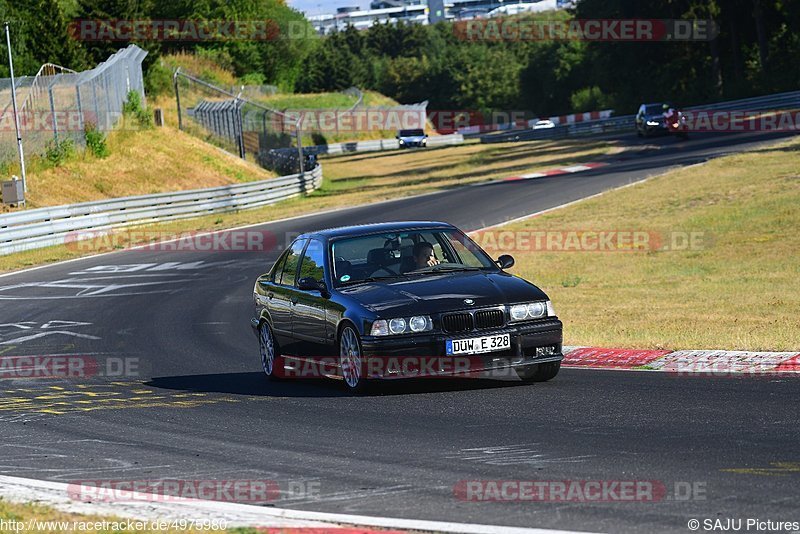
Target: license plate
{"type": "Point", "coordinates": [478, 345]}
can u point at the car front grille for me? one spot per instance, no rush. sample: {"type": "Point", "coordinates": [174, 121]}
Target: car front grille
{"type": "Point", "coordinates": [457, 322]}
{"type": "Point", "coordinates": [478, 320]}
{"type": "Point", "coordinates": [489, 319]}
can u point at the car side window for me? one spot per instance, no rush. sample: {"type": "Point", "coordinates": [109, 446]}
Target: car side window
{"type": "Point", "coordinates": [290, 265]}
{"type": "Point", "coordinates": [313, 264]}
{"type": "Point", "coordinates": [275, 275]}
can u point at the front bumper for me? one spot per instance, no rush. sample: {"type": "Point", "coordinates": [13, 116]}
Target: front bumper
{"type": "Point", "coordinates": [412, 356]}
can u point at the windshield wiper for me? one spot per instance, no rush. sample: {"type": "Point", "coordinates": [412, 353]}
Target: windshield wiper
{"type": "Point", "coordinates": [444, 267]}
{"type": "Point", "coordinates": [371, 279]}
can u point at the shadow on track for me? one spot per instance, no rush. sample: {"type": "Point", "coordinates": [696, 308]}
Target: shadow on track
{"type": "Point", "coordinates": [255, 384]}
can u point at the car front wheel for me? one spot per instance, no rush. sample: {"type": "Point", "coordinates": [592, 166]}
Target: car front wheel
{"type": "Point", "coordinates": [350, 360]}
{"type": "Point", "coordinates": [271, 362]}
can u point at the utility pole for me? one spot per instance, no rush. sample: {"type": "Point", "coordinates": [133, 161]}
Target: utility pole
{"type": "Point", "coordinates": [16, 115]}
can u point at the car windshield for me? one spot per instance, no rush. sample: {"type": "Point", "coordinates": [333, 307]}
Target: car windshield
{"type": "Point", "coordinates": [405, 254]}
{"type": "Point", "coordinates": [654, 109]}
{"type": "Point", "coordinates": [411, 133]}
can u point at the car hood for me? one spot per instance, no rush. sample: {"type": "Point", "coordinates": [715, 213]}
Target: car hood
{"type": "Point", "coordinates": [436, 293]}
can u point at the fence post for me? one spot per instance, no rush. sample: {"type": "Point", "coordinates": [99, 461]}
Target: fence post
{"type": "Point", "coordinates": [240, 125]}
{"type": "Point", "coordinates": [97, 106]}
{"type": "Point", "coordinates": [178, 97]}
{"type": "Point", "coordinates": [80, 107]}
{"type": "Point", "coordinates": [53, 112]}
{"type": "Point", "coordinates": [299, 134]}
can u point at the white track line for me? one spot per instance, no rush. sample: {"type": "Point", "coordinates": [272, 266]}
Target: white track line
{"type": "Point", "coordinates": [56, 494]}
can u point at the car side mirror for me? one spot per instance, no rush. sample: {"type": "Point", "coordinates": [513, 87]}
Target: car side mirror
{"type": "Point", "coordinates": [505, 261]}
{"type": "Point", "coordinates": [309, 284]}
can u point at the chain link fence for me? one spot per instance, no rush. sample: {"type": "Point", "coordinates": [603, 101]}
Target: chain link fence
{"type": "Point", "coordinates": [239, 125]}
{"type": "Point", "coordinates": [57, 104]}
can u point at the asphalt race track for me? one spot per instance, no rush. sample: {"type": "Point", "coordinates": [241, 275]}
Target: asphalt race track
{"type": "Point", "coordinates": [200, 408]}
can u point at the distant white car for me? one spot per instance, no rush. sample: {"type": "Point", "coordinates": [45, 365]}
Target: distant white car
{"type": "Point", "coordinates": [544, 124]}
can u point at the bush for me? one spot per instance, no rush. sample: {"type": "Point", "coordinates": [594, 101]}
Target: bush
{"type": "Point", "coordinates": [58, 152]}
{"type": "Point", "coordinates": [588, 99]}
{"type": "Point", "coordinates": [158, 80]}
{"type": "Point", "coordinates": [133, 108]}
{"type": "Point", "coordinates": [253, 78]}
{"type": "Point", "coordinates": [95, 141]}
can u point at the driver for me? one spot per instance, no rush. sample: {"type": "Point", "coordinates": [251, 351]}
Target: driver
{"type": "Point", "coordinates": [423, 255]}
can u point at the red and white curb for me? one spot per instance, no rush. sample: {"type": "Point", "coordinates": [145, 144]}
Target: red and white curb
{"type": "Point", "coordinates": [144, 508]}
{"type": "Point", "coordinates": [556, 172]}
{"type": "Point", "coordinates": [685, 362]}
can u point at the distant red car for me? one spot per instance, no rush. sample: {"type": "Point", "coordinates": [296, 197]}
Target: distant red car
{"type": "Point", "coordinates": [654, 119]}
{"type": "Point", "coordinates": [676, 123]}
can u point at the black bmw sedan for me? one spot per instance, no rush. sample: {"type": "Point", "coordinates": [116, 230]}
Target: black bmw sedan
{"type": "Point", "coordinates": [401, 300]}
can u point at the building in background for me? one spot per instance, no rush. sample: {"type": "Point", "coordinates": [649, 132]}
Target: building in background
{"type": "Point", "coordinates": [426, 12]}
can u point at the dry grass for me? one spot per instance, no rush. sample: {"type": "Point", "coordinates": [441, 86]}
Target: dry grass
{"type": "Point", "coordinates": [738, 290]}
{"type": "Point", "coordinates": [141, 162]}
{"type": "Point", "coordinates": [368, 177]}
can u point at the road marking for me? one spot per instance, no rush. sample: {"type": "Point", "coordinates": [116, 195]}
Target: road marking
{"type": "Point", "coordinates": [778, 469]}
{"type": "Point", "coordinates": [56, 494]}
{"type": "Point", "coordinates": [94, 397]}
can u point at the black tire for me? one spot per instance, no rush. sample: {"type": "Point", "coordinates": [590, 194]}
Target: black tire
{"type": "Point", "coordinates": [272, 365]}
{"type": "Point", "coordinates": [351, 361]}
{"type": "Point", "coordinates": [539, 373]}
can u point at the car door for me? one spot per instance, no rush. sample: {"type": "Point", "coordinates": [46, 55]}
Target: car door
{"type": "Point", "coordinates": [282, 298]}
{"type": "Point", "coordinates": [309, 322]}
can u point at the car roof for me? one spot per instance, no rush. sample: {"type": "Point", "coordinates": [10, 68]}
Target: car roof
{"type": "Point", "coordinates": [365, 229]}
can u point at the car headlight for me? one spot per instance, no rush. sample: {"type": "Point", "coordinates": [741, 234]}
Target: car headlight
{"type": "Point", "coordinates": [551, 310]}
{"type": "Point", "coordinates": [420, 323]}
{"type": "Point", "coordinates": [397, 326]}
{"type": "Point", "coordinates": [653, 123]}
{"type": "Point", "coordinates": [519, 312]}
{"type": "Point", "coordinates": [531, 310]}
{"type": "Point", "coordinates": [536, 309]}
{"type": "Point", "coordinates": [401, 325]}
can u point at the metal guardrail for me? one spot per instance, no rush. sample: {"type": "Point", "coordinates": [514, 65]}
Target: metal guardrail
{"type": "Point", "coordinates": [790, 100]}
{"type": "Point", "coordinates": [44, 227]}
{"type": "Point", "coordinates": [379, 144]}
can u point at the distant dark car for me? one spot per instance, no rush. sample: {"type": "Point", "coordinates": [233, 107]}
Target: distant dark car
{"type": "Point", "coordinates": [412, 138]}
{"type": "Point", "coordinates": [354, 303]}
{"type": "Point", "coordinates": [661, 118]}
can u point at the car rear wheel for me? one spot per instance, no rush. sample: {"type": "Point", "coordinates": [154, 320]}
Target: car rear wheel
{"type": "Point", "coordinates": [271, 362]}
{"type": "Point", "coordinates": [350, 360]}
{"type": "Point", "coordinates": [539, 373]}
